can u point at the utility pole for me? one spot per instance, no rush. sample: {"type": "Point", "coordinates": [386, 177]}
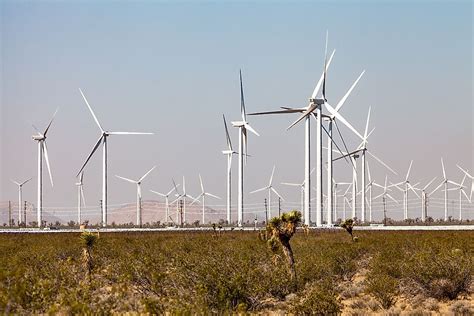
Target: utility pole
{"type": "Point", "coordinates": [384, 212]}
{"type": "Point", "coordinates": [24, 215]}
{"type": "Point", "coordinates": [279, 206]}
{"type": "Point", "coordinates": [9, 213]}
{"type": "Point", "coordinates": [181, 212]}
{"type": "Point", "coordinates": [266, 212]}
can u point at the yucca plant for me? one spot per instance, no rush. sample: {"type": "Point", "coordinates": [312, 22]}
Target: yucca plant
{"type": "Point", "coordinates": [348, 225]}
{"type": "Point", "coordinates": [282, 228]}
{"type": "Point", "coordinates": [88, 241]}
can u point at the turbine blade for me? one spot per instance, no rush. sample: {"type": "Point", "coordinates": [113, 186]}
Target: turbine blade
{"type": "Point", "coordinates": [92, 112]}
{"type": "Point", "coordinates": [437, 188]}
{"type": "Point", "coordinates": [413, 189]}
{"type": "Point", "coordinates": [247, 126]}
{"type": "Point", "coordinates": [242, 99]}
{"type": "Point", "coordinates": [229, 142]}
{"type": "Point", "coordinates": [444, 171]}
{"type": "Point", "coordinates": [344, 98]}
{"type": "Point", "coordinates": [50, 122]}
{"type": "Point", "coordinates": [158, 193]}
{"type": "Point", "coordinates": [429, 183]}
{"type": "Point", "coordinates": [278, 112]}
{"type": "Point", "coordinates": [464, 192]}
{"type": "Point", "coordinates": [292, 184]}
{"type": "Point", "coordinates": [258, 190]}
{"type": "Point", "coordinates": [383, 163]}
{"type": "Point", "coordinates": [200, 181]}
{"type": "Point", "coordinates": [23, 182]}
{"type": "Point", "coordinates": [392, 198]}
{"type": "Point", "coordinates": [146, 174]}
{"type": "Point", "coordinates": [127, 179]}
{"type": "Point", "coordinates": [212, 195]}
{"type": "Point", "coordinates": [466, 172]}
{"type": "Point", "coordinates": [271, 177]}
{"type": "Point", "coordinates": [45, 150]}
{"type": "Point", "coordinates": [310, 109]}
{"type": "Point", "coordinates": [367, 125]}
{"type": "Point", "coordinates": [325, 63]}
{"type": "Point", "coordinates": [318, 85]}
{"type": "Point", "coordinates": [408, 173]}
{"type": "Point", "coordinates": [275, 191]}
{"type": "Point", "coordinates": [342, 119]}
{"type": "Point", "coordinates": [90, 155]}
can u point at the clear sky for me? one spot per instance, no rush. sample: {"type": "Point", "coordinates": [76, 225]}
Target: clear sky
{"type": "Point", "coordinates": [172, 68]}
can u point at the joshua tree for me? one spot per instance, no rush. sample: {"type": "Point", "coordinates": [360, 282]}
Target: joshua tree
{"type": "Point", "coordinates": [88, 240]}
{"type": "Point", "coordinates": [282, 228]}
{"type": "Point", "coordinates": [348, 225]}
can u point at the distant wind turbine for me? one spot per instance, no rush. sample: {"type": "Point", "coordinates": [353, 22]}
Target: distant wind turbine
{"type": "Point", "coordinates": [203, 196]}
{"type": "Point", "coordinates": [139, 194]}
{"type": "Point", "coordinates": [166, 196]}
{"type": "Point", "coordinates": [20, 198]}
{"type": "Point", "coordinates": [270, 188]}
{"type": "Point", "coordinates": [445, 183]}
{"type": "Point", "coordinates": [42, 150]}
{"type": "Point", "coordinates": [103, 140]}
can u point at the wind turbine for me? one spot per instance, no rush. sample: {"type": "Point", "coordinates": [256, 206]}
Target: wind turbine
{"type": "Point", "coordinates": [183, 197]}
{"type": "Point", "coordinates": [20, 198]}
{"type": "Point", "coordinates": [103, 140]}
{"type": "Point", "coordinates": [270, 188]}
{"type": "Point", "coordinates": [301, 185]}
{"type": "Point", "coordinates": [80, 197]}
{"type": "Point", "coordinates": [166, 196]}
{"type": "Point", "coordinates": [336, 184]}
{"type": "Point", "coordinates": [314, 104]}
{"type": "Point", "coordinates": [42, 150]}
{"type": "Point", "coordinates": [344, 201]}
{"type": "Point", "coordinates": [424, 199]}
{"type": "Point", "coordinates": [203, 195]}
{"type": "Point", "coordinates": [408, 185]}
{"type": "Point", "coordinates": [229, 152]}
{"type": "Point", "coordinates": [461, 188]}
{"type": "Point", "coordinates": [384, 195]}
{"type": "Point", "coordinates": [243, 127]}
{"type": "Point", "coordinates": [139, 194]}
{"type": "Point", "coordinates": [472, 183]}
{"type": "Point", "coordinates": [445, 183]}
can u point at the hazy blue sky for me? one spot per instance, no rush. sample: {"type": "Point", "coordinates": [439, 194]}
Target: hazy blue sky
{"type": "Point", "coordinates": [172, 68]}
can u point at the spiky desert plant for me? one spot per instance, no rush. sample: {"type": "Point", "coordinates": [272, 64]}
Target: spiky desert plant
{"type": "Point", "coordinates": [348, 225]}
{"type": "Point", "coordinates": [88, 241]}
{"type": "Point", "coordinates": [282, 228]}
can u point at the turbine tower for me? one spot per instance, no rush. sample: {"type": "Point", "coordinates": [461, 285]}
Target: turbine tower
{"type": "Point", "coordinates": [166, 196]}
{"type": "Point", "coordinates": [270, 188]}
{"type": "Point", "coordinates": [229, 152]}
{"type": "Point", "coordinates": [80, 197]}
{"type": "Point", "coordinates": [103, 140]}
{"type": "Point", "coordinates": [203, 195]}
{"type": "Point", "coordinates": [243, 127]}
{"type": "Point", "coordinates": [42, 150]}
{"type": "Point", "coordinates": [20, 198]}
{"type": "Point", "coordinates": [139, 194]}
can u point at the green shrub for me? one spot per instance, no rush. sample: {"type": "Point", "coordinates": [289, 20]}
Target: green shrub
{"type": "Point", "coordinates": [384, 288]}
{"type": "Point", "coordinates": [317, 299]}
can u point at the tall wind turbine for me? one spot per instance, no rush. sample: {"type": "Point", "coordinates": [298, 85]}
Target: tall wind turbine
{"type": "Point", "coordinates": [243, 127]}
{"type": "Point", "coordinates": [103, 140]}
{"type": "Point", "coordinates": [183, 197]}
{"type": "Point", "coordinates": [270, 188]}
{"type": "Point", "coordinates": [314, 104]}
{"type": "Point", "coordinates": [445, 183]}
{"type": "Point", "coordinates": [139, 194]}
{"type": "Point", "coordinates": [424, 198]}
{"type": "Point", "coordinates": [166, 196]}
{"type": "Point", "coordinates": [203, 196]}
{"type": "Point", "coordinates": [229, 152]}
{"type": "Point", "coordinates": [20, 198]}
{"type": "Point", "coordinates": [80, 197]}
{"type": "Point", "coordinates": [42, 150]}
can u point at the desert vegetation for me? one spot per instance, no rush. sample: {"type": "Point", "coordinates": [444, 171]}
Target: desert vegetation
{"type": "Point", "coordinates": [232, 271]}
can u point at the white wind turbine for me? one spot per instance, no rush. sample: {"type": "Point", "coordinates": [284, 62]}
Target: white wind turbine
{"type": "Point", "coordinates": [344, 201]}
{"type": "Point", "coordinates": [385, 194]}
{"type": "Point", "coordinates": [229, 152]}
{"type": "Point", "coordinates": [103, 140]}
{"type": "Point", "coordinates": [461, 188]}
{"type": "Point", "coordinates": [270, 188]}
{"type": "Point", "coordinates": [166, 196]}
{"type": "Point", "coordinates": [407, 185]}
{"type": "Point", "coordinates": [20, 198]}
{"type": "Point", "coordinates": [183, 198]}
{"type": "Point", "coordinates": [203, 196]}
{"type": "Point", "coordinates": [445, 183]}
{"type": "Point", "coordinates": [301, 185]}
{"type": "Point", "coordinates": [424, 199]}
{"type": "Point", "coordinates": [336, 184]}
{"type": "Point", "coordinates": [472, 183]}
{"type": "Point", "coordinates": [80, 197]}
{"type": "Point", "coordinates": [243, 127]}
{"type": "Point", "coordinates": [139, 194]}
{"type": "Point", "coordinates": [42, 150]}
{"type": "Point", "coordinates": [314, 104]}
